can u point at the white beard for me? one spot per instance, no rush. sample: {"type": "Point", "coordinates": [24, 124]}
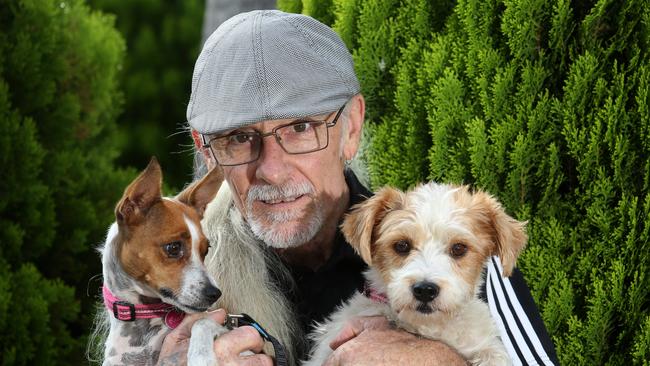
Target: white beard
{"type": "Point", "coordinates": [274, 228]}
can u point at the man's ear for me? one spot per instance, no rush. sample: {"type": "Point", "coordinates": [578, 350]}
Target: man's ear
{"type": "Point", "coordinates": [201, 192]}
{"type": "Point", "coordinates": [355, 117]}
{"type": "Point", "coordinates": [508, 234]}
{"type": "Point", "coordinates": [140, 195]}
{"type": "Point", "coordinates": [360, 224]}
{"type": "Point", "coordinates": [205, 152]}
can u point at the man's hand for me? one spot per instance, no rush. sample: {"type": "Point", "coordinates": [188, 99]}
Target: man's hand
{"type": "Point", "coordinates": [227, 347]}
{"type": "Point", "coordinates": [372, 341]}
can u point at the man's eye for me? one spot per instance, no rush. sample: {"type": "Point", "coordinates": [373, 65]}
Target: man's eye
{"type": "Point", "coordinates": [240, 138]}
{"type": "Point", "coordinates": [301, 127]}
{"type": "Point", "coordinates": [174, 249]}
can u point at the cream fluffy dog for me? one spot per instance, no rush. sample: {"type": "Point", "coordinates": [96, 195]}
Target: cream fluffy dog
{"type": "Point", "coordinates": [427, 249]}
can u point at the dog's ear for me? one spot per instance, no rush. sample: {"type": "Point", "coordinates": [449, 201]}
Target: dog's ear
{"type": "Point", "coordinates": [201, 192]}
{"type": "Point", "coordinates": [140, 195]}
{"type": "Point", "coordinates": [360, 224]}
{"type": "Point", "coordinates": [508, 234]}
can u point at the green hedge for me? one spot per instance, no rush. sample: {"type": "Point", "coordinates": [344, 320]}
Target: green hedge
{"type": "Point", "coordinates": [163, 40]}
{"type": "Point", "coordinates": [58, 105]}
{"type": "Point", "coordinates": [544, 104]}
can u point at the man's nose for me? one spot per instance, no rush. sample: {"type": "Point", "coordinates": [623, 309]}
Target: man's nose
{"type": "Point", "coordinates": [272, 166]}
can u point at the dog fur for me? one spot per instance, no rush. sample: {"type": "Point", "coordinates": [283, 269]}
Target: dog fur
{"type": "Point", "coordinates": [427, 250]}
{"type": "Point", "coordinates": [137, 269]}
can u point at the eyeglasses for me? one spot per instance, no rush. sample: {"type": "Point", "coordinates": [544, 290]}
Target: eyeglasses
{"type": "Point", "coordinates": [298, 137]}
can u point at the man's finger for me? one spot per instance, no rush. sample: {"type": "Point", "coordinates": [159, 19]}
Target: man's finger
{"type": "Point", "coordinates": [257, 360]}
{"type": "Point", "coordinates": [357, 325]}
{"type": "Point", "coordinates": [218, 316]}
{"type": "Point", "coordinates": [238, 340]}
{"type": "Point", "coordinates": [348, 332]}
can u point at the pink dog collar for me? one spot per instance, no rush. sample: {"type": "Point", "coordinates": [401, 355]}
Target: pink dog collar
{"type": "Point", "coordinates": [374, 295]}
{"type": "Point", "coordinates": [125, 311]}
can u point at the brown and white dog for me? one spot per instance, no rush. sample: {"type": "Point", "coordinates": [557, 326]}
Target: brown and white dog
{"type": "Point", "coordinates": [427, 250]}
{"type": "Point", "coordinates": [153, 270]}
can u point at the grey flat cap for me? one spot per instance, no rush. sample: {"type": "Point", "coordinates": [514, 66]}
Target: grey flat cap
{"type": "Point", "coordinates": [265, 65]}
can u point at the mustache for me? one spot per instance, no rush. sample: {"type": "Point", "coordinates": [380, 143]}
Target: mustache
{"type": "Point", "coordinates": [280, 192]}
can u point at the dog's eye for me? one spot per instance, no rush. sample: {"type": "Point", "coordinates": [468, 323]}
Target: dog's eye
{"type": "Point", "coordinates": [174, 249]}
{"type": "Point", "coordinates": [207, 248]}
{"type": "Point", "coordinates": [402, 247]}
{"type": "Point", "coordinates": [458, 250]}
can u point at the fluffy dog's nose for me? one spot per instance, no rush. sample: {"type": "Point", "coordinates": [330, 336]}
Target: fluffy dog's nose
{"type": "Point", "coordinates": [211, 293]}
{"type": "Point", "coordinates": [425, 291]}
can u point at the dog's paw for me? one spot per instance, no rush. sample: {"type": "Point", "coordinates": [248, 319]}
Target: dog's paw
{"type": "Point", "coordinates": [200, 352]}
{"type": "Point", "coordinates": [492, 357]}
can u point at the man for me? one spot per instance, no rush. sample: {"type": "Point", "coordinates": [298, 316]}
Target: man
{"type": "Point", "coordinates": [276, 104]}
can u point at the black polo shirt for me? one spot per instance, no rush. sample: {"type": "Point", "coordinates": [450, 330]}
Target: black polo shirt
{"type": "Point", "coordinates": [319, 292]}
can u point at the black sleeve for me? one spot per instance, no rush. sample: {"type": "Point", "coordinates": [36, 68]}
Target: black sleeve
{"type": "Point", "coordinates": [520, 324]}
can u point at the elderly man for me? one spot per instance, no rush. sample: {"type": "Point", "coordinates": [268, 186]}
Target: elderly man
{"type": "Point", "coordinates": [276, 104]}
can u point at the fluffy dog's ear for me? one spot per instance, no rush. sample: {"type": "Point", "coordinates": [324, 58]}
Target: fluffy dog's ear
{"type": "Point", "coordinates": [201, 192]}
{"type": "Point", "coordinates": [508, 234]}
{"type": "Point", "coordinates": [360, 224]}
{"type": "Point", "coordinates": [140, 195]}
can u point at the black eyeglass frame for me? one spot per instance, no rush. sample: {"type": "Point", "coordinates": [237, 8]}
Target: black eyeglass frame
{"type": "Point", "coordinates": [207, 144]}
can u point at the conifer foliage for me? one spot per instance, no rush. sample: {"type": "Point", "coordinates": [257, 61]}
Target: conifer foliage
{"type": "Point", "coordinates": [58, 103]}
{"type": "Point", "coordinates": [163, 42]}
{"type": "Point", "coordinates": [544, 104]}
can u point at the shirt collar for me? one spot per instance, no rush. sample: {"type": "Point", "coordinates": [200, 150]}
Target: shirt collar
{"type": "Point", "coordinates": [358, 193]}
{"type": "Point", "coordinates": [342, 250]}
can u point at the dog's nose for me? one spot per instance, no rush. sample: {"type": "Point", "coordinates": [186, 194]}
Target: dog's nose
{"type": "Point", "coordinates": [211, 293]}
{"type": "Point", "coordinates": [425, 291]}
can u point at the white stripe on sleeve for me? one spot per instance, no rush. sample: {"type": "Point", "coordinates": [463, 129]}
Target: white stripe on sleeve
{"type": "Point", "coordinates": [523, 318]}
{"type": "Point", "coordinates": [499, 321]}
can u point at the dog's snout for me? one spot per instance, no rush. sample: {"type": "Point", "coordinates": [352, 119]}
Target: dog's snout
{"type": "Point", "coordinates": [425, 291]}
{"type": "Point", "coordinates": [211, 293]}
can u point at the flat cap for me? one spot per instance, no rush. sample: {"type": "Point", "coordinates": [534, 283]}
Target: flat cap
{"type": "Point", "coordinates": [265, 65]}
